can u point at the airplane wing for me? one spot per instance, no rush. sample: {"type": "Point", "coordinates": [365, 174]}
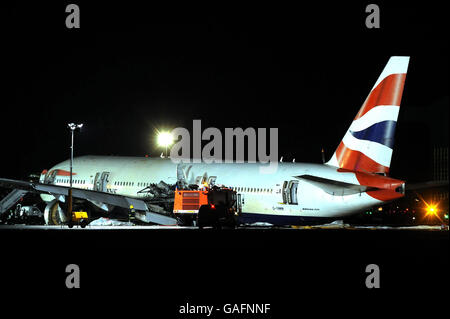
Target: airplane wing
{"type": "Point", "coordinates": [112, 199]}
{"type": "Point", "coordinates": [335, 187]}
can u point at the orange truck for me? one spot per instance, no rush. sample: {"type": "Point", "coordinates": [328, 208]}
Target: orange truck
{"type": "Point", "coordinates": [215, 206]}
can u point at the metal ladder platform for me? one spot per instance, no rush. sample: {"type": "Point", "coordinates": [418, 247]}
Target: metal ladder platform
{"type": "Point", "coordinates": [11, 199]}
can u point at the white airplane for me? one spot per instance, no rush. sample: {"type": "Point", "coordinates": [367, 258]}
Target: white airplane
{"type": "Point", "coordinates": [355, 178]}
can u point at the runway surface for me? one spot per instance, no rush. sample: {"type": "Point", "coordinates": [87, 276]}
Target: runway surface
{"type": "Point", "coordinates": [156, 269]}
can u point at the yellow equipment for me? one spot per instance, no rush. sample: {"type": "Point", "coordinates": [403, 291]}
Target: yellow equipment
{"type": "Point", "coordinates": [80, 218]}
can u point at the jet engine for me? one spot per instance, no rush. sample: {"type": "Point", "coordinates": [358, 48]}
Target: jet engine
{"type": "Point", "coordinates": [54, 214]}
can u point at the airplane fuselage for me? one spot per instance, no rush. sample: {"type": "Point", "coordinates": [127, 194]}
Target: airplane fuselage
{"type": "Point", "coordinates": [280, 196]}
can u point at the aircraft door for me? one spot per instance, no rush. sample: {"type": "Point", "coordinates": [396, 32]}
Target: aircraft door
{"type": "Point", "coordinates": [50, 178]}
{"type": "Point", "coordinates": [97, 182]}
{"type": "Point", "coordinates": [293, 188]}
{"type": "Point", "coordinates": [104, 181]}
{"type": "Point", "coordinates": [290, 192]}
{"type": "Point", "coordinates": [100, 181]}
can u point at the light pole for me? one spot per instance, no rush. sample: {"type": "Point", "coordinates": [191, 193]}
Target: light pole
{"type": "Point", "coordinates": [72, 128]}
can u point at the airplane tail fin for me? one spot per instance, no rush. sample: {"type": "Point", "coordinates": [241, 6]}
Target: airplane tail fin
{"type": "Point", "coordinates": [367, 145]}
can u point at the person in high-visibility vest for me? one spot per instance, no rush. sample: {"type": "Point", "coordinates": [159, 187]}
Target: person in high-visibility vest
{"type": "Point", "coordinates": [131, 213]}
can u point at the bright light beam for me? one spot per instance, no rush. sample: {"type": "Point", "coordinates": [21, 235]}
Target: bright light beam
{"type": "Point", "coordinates": [164, 139]}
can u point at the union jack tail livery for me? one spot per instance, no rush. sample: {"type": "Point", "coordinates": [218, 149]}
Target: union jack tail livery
{"type": "Point", "coordinates": [367, 145]}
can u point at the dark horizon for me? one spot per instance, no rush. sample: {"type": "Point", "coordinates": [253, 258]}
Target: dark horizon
{"type": "Point", "coordinates": [130, 70]}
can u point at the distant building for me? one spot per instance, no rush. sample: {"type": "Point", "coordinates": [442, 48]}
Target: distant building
{"type": "Point", "coordinates": [440, 172]}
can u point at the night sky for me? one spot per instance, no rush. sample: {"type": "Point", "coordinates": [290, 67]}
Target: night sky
{"type": "Point", "coordinates": [131, 69]}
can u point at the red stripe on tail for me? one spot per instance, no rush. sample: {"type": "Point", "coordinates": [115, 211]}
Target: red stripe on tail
{"type": "Point", "coordinates": [387, 92]}
{"type": "Point", "coordinates": [357, 161]}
